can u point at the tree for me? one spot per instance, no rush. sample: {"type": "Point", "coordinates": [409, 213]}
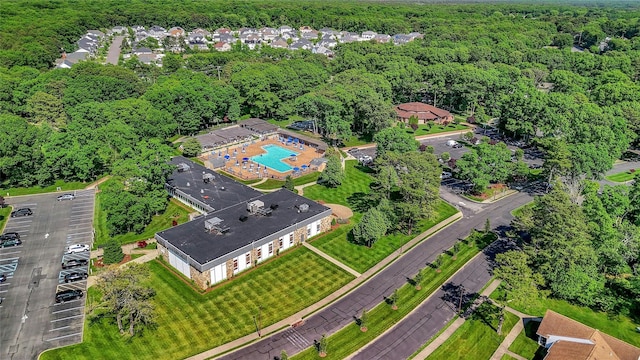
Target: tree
{"type": "Point", "coordinates": [288, 183]}
{"type": "Point", "coordinates": [393, 300]}
{"type": "Point", "coordinates": [333, 174]}
{"type": "Point", "coordinates": [284, 355]}
{"type": "Point", "coordinates": [126, 296]}
{"type": "Point", "coordinates": [487, 226]}
{"type": "Point", "coordinates": [364, 318]}
{"type": "Point", "coordinates": [191, 147]}
{"type": "Point", "coordinates": [517, 277]}
{"type": "Point", "coordinates": [445, 156]}
{"type": "Point", "coordinates": [372, 227]}
{"type": "Point", "coordinates": [484, 164]}
{"type": "Point", "coordinates": [417, 279]}
{"type": "Point", "coordinates": [112, 252]}
{"type": "Point", "coordinates": [394, 139]}
{"type": "Point", "coordinates": [322, 346]}
{"type": "Point", "coordinates": [44, 108]}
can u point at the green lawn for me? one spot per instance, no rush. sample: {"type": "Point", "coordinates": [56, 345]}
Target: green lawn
{"type": "Point", "coordinates": [476, 336]}
{"type": "Point", "coordinates": [175, 210]}
{"type": "Point", "coordinates": [276, 184]}
{"type": "Point", "coordinates": [189, 323]}
{"type": "Point", "coordinates": [349, 339]}
{"type": "Point", "coordinates": [361, 258]}
{"type": "Point", "coordinates": [4, 216]}
{"type": "Point", "coordinates": [524, 345]}
{"type": "Point", "coordinates": [517, 211]}
{"type": "Point", "coordinates": [357, 180]}
{"type": "Point", "coordinates": [617, 326]}
{"type": "Point", "coordinates": [64, 186]}
{"type": "Point", "coordinates": [621, 177]}
{"type": "Point", "coordinates": [507, 357]}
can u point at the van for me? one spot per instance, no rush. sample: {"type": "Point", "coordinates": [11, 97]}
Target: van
{"type": "Point", "coordinates": [451, 142]}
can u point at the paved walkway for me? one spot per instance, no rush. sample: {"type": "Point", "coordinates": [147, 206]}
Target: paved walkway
{"type": "Point", "coordinates": [330, 259]}
{"type": "Point", "coordinates": [95, 184]}
{"type": "Point", "coordinates": [300, 188]}
{"type": "Point", "coordinates": [297, 317]}
{"type": "Point", "coordinates": [457, 323]}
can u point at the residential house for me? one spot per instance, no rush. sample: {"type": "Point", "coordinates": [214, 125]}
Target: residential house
{"type": "Point", "coordinates": [285, 29]}
{"type": "Point", "coordinates": [222, 46]}
{"type": "Point", "coordinates": [142, 51]}
{"type": "Point", "coordinates": [349, 37]}
{"type": "Point", "coordinates": [137, 28]}
{"type": "Point", "coordinates": [279, 43]}
{"type": "Point", "coordinates": [368, 35]}
{"type": "Point", "coordinates": [310, 35]}
{"type": "Point", "coordinates": [268, 34]}
{"type": "Point", "coordinates": [64, 64]}
{"type": "Point", "coordinates": [302, 44]}
{"type": "Point", "coordinates": [328, 42]}
{"type": "Point", "coordinates": [197, 41]}
{"type": "Point", "coordinates": [96, 33]}
{"type": "Point", "coordinates": [252, 40]}
{"type": "Point", "coordinates": [141, 35]}
{"type": "Point", "coordinates": [401, 39]}
{"type": "Point", "coordinates": [382, 38]}
{"type": "Point", "coordinates": [157, 32]}
{"type": "Point", "coordinates": [148, 59]}
{"type": "Point", "coordinates": [290, 35]}
{"type": "Point", "coordinates": [323, 51]}
{"type": "Point", "coordinates": [415, 35]}
{"type": "Point", "coordinates": [176, 31]}
{"type": "Point", "coordinates": [227, 38]}
{"type": "Point", "coordinates": [119, 30]}
{"type": "Point", "coordinates": [565, 338]}
{"type": "Point", "coordinates": [201, 31]}
{"type": "Point", "coordinates": [87, 44]}
{"type": "Point", "coordinates": [304, 29]}
{"type": "Point", "coordinates": [424, 112]}
{"type": "Point", "coordinates": [328, 32]}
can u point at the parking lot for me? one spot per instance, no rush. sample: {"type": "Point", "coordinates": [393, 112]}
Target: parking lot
{"type": "Point", "coordinates": [31, 320]}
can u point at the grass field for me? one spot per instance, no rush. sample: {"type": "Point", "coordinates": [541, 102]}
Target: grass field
{"type": "Point", "coordinates": [617, 326]}
{"type": "Point", "coordinates": [507, 357]}
{"type": "Point", "coordinates": [189, 323]}
{"type": "Point", "coordinates": [476, 336]}
{"type": "Point", "coordinates": [271, 184]}
{"type": "Point", "coordinates": [524, 345]}
{"type": "Point", "coordinates": [358, 180]}
{"type": "Point", "coordinates": [64, 186]}
{"type": "Point", "coordinates": [4, 216]}
{"type": "Point", "coordinates": [361, 258]}
{"type": "Point", "coordinates": [175, 210]}
{"type": "Point", "coordinates": [621, 177]}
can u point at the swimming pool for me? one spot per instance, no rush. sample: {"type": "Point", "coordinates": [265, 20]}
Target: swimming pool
{"type": "Point", "coordinates": [272, 159]}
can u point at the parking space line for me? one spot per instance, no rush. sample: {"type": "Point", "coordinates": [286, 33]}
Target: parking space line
{"type": "Point", "coordinates": [69, 309]}
{"type": "Point", "coordinates": [68, 317]}
{"type": "Point", "coordinates": [5, 284]}
{"type": "Point", "coordinates": [60, 328]}
{"type": "Point", "coordinates": [62, 337]}
{"type": "Point", "coordinates": [3, 291]}
{"type": "Point", "coordinates": [12, 258]}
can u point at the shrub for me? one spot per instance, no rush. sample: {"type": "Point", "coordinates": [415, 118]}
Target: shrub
{"type": "Point", "coordinates": [112, 252]}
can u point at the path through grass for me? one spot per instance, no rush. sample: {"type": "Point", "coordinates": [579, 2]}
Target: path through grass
{"type": "Point", "coordinates": [619, 326]}
{"type": "Point", "coordinates": [189, 323]}
{"type": "Point", "coordinates": [476, 336]}
{"type": "Point", "coordinates": [361, 258]}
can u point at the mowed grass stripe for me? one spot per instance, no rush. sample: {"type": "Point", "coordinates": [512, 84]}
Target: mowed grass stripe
{"type": "Point", "coordinates": [358, 180]}
{"type": "Point", "coordinates": [189, 323]}
{"type": "Point", "coordinates": [362, 258]}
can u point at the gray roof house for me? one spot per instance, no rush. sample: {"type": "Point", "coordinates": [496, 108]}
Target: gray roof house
{"type": "Point", "coordinates": [157, 32]}
{"type": "Point", "coordinates": [368, 35]}
{"type": "Point", "coordinates": [302, 44]}
{"type": "Point", "coordinates": [279, 43]}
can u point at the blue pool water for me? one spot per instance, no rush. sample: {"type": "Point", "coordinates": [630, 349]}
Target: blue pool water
{"type": "Point", "coordinates": [272, 159]}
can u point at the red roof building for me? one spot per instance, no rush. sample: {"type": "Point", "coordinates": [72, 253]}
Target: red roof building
{"type": "Point", "coordinates": [424, 113]}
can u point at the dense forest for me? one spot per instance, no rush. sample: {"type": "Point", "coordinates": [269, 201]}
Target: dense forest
{"type": "Point", "coordinates": [563, 78]}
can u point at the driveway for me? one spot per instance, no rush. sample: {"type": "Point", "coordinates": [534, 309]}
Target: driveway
{"type": "Point", "coordinates": [114, 50]}
{"type": "Point", "coordinates": [31, 321]}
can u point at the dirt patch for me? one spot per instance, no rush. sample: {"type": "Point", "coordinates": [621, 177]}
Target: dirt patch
{"type": "Point", "coordinates": [98, 263]}
{"type": "Point", "coordinates": [340, 211]}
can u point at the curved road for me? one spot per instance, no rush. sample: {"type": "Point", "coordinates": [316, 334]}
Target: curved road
{"type": "Point", "coordinates": [372, 292]}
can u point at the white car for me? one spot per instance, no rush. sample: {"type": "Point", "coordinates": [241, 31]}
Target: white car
{"type": "Point", "coordinates": [66, 197]}
{"type": "Point", "coordinates": [77, 248]}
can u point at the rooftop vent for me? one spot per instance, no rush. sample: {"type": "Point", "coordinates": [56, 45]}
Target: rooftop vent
{"type": "Point", "coordinates": [303, 207]}
{"type": "Point", "coordinates": [257, 207]}
{"type": "Point", "coordinates": [207, 178]}
{"type": "Point", "coordinates": [182, 167]}
{"type": "Point", "coordinates": [215, 225]}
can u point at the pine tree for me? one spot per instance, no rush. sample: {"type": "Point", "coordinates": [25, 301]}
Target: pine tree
{"type": "Point", "coordinates": [112, 252]}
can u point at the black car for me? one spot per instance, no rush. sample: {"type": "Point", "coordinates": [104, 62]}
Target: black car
{"type": "Point", "coordinates": [10, 235]}
{"type": "Point", "coordinates": [71, 263]}
{"type": "Point", "coordinates": [75, 276]}
{"type": "Point", "coordinates": [10, 242]}
{"type": "Point", "coordinates": [3, 278]}
{"type": "Point", "coordinates": [68, 295]}
{"type": "Point", "coordinates": [22, 212]}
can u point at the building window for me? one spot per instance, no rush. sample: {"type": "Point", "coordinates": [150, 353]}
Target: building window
{"type": "Point", "coordinates": [290, 239]}
{"type": "Point", "coordinates": [317, 227]}
{"type": "Point", "coordinates": [235, 264]}
{"type": "Point", "coordinates": [259, 253]}
{"type": "Point", "coordinates": [248, 259]}
{"type": "Point", "coordinates": [280, 243]}
{"type": "Point", "coordinates": [308, 230]}
{"type": "Point", "coordinates": [270, 248]}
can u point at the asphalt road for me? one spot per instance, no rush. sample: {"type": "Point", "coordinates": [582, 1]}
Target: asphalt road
{"type": "Point", "coordinates": [114, 50]}
{"type": "Point", "coordinates": [31, 321]}
{"type": "Point", "coordinates": [371, 293]}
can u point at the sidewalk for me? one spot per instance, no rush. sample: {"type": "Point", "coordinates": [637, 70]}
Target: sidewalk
{"type": "Point", "coordinates": [454, 326]}
{"type": "Point", "coordinates": [329, 258]}
{"type": "Point", "coordinates": [282, 324]}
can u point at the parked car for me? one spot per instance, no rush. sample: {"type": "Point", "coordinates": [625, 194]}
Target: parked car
{"type": "Point", "coordinates": [457, 146]}
{"type": "Point", "coordinates": [75, 276]}
{"type": "Point", "coordinates": [22, 212]}
{"type": "Point", "coordinates": [10, 242]}
{"type": "Point", "coordinates": [3, 278]}
{"type": "Point", "coordinates": [9, 236]}
{"type": "Point", "coordinates": [71, 263]}
{"type": "Point", "coordinates": [445, 175]}
{"type": "Point", "coordinates": [451, 142]}
{"type": "Point", "coordinates": [68, 295]}
{"type": "Point", "coordinates": [77, 248]}
{"type": "Point", "coordinates": [66, 197]}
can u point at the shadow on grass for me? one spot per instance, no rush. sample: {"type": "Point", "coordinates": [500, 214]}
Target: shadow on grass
{"type": "Point", "coordinates": [411, 281]}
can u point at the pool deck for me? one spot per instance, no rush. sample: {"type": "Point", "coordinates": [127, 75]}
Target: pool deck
{"type": "Point", "coordinates": [304, 157]}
